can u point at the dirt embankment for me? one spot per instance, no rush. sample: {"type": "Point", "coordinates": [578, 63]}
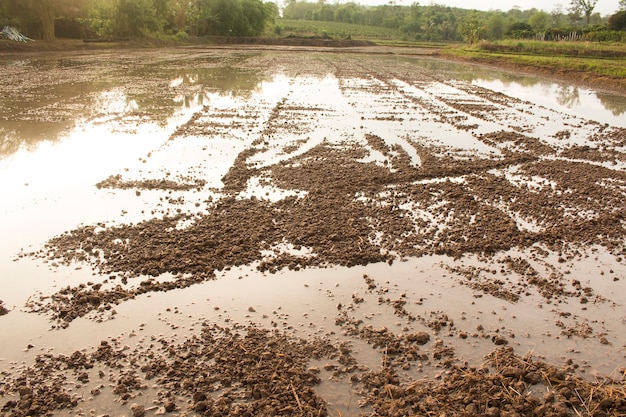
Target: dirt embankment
{"type": "Point", "coordinates": [77, 44]}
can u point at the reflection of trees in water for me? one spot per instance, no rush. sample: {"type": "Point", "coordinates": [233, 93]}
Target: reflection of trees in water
{"type": "Point", "coordinates": [191, 87]}
{"type": "Point", "coordinates": [160, 93]}
{"type": "Point", "coordinates": [228, 81]}
{"type": "Point", "coordinates": [615, 104]}
{"type": "Point", "coordinates": [9, 143]}
{"type": "Point", "coordinates": [568, 96]}
{"type": "Point", "coordinates": [28, 135]}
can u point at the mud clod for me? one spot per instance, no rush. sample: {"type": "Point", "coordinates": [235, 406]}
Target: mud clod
{"type": "Point", "coordinates": [509, 211]}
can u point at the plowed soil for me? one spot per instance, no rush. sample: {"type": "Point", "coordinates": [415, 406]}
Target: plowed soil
{"type": "Point", "coordinates": [352, 160]}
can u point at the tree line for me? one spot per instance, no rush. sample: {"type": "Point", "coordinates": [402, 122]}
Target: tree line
{"type": "Point", "coordinates": [47, 19]}
{"type": "Point", "coordinates": [441, 23]}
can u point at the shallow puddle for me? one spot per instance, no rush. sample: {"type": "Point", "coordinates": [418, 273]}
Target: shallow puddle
{"type": "Point", "coordinates": [190, 135]}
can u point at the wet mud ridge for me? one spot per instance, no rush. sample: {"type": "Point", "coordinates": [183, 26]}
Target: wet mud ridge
{"type": "Point", "coordinates": [392, 162]}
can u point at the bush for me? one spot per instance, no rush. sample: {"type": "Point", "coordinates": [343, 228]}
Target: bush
{"type": "Point", "coordinates": [520, 30]}
{"type": "Point", "coordinates": [605, 36]}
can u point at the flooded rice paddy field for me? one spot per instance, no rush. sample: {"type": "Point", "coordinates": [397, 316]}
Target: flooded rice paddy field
{"type": "Point", "coordinates": [298, 232]}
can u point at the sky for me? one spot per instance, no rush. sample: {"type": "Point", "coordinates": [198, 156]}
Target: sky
{"type": "Point", "coordinates": [604, 7]}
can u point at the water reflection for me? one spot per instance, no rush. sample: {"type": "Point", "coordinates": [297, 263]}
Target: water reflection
{"type": "Point", "coordinates": [568, 96]}
{"type": "Point", "coordinates": [576, 101]}
{"type": "Point", "coordinates": [42, 99]}
{"type": "Point", "coordinates": [78, 89]}
{"type": "Point", "coordinates": [114, 102]}
{"type": "Point", "coordinates": [615, 104]}
{"type": "Point", "coordinates": [8, 141]}
{"type": "Point", "coordinates": [602, 107]}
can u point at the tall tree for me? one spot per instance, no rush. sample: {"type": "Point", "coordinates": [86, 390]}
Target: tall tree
{"type": "Point", "coordinates": [180, 10]}
{"type": "Point", "coordinates": [559, 18]}
{"type": "Point", "coordinates": [472, 28]}
{"type": "Point", "coordinates": [618, 21]}
{"type": "Point", "coordinates": [36, 17]}
{"type": "Point", "coordinates": [583, 7]}
{"type": "Point", "coordinates": [230, 17]}
{"type": "Point", "coordinates": [539, 20]}
{"type": "Point", "coordinates": [495, 25]}
{"type": "Point", "coordinates": [622, 5]}
{"type": "Point", "coordinates": [413, 18]}
{"type": "Point", "coordinates": [134, 17]}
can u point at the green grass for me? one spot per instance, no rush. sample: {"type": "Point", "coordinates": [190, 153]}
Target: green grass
{"type": "Point", "coordinates": [563, 47]}
{"type": "Point", "coordinates": [546, 48]}
{"type": "Point", "coordinates": [607, 60]}
{"type": "Point", "coordinates": [412, 44]}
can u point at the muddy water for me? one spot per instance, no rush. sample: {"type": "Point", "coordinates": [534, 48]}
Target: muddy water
{"type": "Point", "coordinates": [70, 121]}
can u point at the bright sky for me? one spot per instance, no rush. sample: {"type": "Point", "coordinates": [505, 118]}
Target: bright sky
{"type": "Point", "coordinates": [604, 7]}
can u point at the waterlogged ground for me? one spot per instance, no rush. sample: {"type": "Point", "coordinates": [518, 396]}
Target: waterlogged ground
{"type": "Point", "coordinates": [307, 232]}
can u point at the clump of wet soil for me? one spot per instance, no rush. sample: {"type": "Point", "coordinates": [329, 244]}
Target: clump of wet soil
{"type": "Point", "coordinates": [222, 371]}
{"type": "Point", "coordinates": [573, 208]}
{"type": "Point", "coordinates": [3, 309]}
{"type": "Point", "coordinates": [507, 385]}
{"type": "Point", "coordinates": [349, 210]}
{"type": "Point", "coordinates": [116, 181]}
{"type": "Point", "coordinates": [244, 371]}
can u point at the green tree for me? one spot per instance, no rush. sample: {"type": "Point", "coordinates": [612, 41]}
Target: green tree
{"type": "Point", "coordinates": [520, 30]}
{"type": "Point", "coordinates": [35, 17]}
{"type": "Point", "coordinates": [4, 16]}
{"type": "Point", "coordinates": [412, 19]}
{"type": "Point", "coordinates": [439, 23]}
{"type": "Point", "coordinates": [101, 17]}
{"type": "Point", "coordinates": [180, 10]}
{"type": "Point", "coordinates": [165, 15]}
{"type": "Point", "coordinates": [348, 13]}
{"type": "Point", "coordinates": [230, 17]}
{"type": "Point", "coordinates": [136, 17]}
{"type": "Point", "coordinates": [539, 21]}
{"type": "Point", "coordinates": [472, 29]}
{"type": "Point", "coordinates": [584, 7]}
{"type": "Point", "coordinates": [559, 18]}
{"type": "Point", "coordinates": [495, 25]}
{"type": "Point", "coordinates": [299, 10]}
{"type": "Point", "coordinates": [622, 5]}
{"type": "Point", "coordinates": [618, 21]}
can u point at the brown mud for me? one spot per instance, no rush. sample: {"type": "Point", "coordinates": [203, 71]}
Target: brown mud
{"type": "Point", "coordinates": [551, 199]}
{"type": "Point", "coordinates": [614, 85]}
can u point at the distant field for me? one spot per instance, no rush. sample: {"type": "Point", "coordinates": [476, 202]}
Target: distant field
{"type": "Point", "coordinates": [336, 30]}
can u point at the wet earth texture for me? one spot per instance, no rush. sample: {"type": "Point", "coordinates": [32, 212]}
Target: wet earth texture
{"type": "Point", "coordinates": [326, 233]}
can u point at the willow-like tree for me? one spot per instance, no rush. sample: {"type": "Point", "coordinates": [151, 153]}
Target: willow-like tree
{"type": "Point", "coordinates": [584, 7]}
